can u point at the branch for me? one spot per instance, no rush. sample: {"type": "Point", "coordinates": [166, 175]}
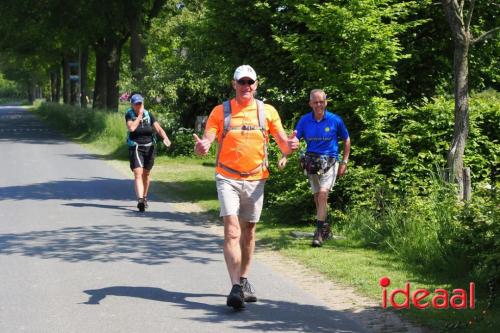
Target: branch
{"type": "Point", "coordinates": [462, 6]}
{"type": "Point", "coordinates": [469, 15]}
{"type": "Point", "coordinates": [484, 36]}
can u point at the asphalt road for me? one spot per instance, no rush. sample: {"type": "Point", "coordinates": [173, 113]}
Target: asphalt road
{"type": "Point", "coordinates": [76, 256]}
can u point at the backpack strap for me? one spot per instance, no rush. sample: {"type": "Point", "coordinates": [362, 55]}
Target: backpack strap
{"type": "Point", "coordinates": [261, 114]}
{"type": "Point", "coordinates": [227, 121]}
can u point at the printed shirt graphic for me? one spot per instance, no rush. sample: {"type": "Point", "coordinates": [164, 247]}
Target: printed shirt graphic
{"type": "Point", "coordinates": [143, 134]}
{"type": "Point", "coordinates": [322, 137]}
{"type": "Point", "coordinates": [243, 150]}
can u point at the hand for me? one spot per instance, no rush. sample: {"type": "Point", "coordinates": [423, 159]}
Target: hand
{"type": "Point", "coordinates": [342, 170]}
{"type": "Point", "coordinates": [201, 147]}
{"type": "Point", "coordinates": [282, 162]}
{"type": "Point", "coordinates": [140, 114]}
{"type": "Point", "coordinates": [167, 142]}
{"type": "Point", "coordinates": [293, 142]}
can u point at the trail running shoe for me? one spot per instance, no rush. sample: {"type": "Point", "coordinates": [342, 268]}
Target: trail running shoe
{"type": "Point", "coordinates": [140, 205]}
{"type": "Point", "coordinates": [236, 298]}
{"type": "Point", "coordinates": [318, 238]}
{"type": "Point", "coordinates": [326, 232]}
{"type": "Point", "coordinates": [248, 290]}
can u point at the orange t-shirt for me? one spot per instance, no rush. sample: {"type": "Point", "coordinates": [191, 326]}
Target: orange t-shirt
{"type": "Point", "coordinates": [243, 150]}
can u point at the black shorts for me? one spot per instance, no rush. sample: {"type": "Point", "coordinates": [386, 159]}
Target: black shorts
{"type": "Point", "coordinates": [142, 157]}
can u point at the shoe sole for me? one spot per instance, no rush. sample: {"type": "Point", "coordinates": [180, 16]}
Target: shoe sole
{"type": "Point", "coordinates": [250, 299]}
{"type": "Point", "coordinates": [141, 206]}
{"type": "Point", "coordinates": [235, 302]}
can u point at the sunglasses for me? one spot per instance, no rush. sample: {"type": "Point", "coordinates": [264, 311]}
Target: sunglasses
{"type": "Point", "coordinates": [242, 82]}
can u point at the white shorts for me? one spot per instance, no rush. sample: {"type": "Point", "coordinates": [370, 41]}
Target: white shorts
{"type": "Point", "coordinates": [326, 180]}
{"type": "Point", "coordinates": [243, 198]}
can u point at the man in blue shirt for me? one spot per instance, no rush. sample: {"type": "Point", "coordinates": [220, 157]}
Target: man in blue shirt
{"type": "Point", "coordinates": [322, 131]}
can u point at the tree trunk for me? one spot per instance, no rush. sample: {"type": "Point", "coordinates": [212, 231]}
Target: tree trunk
{"type": "Point", "coordinates": [461, 41]}
{"type": "Point", "coordinates": [55, 85]}
{"type": "Point", "coordinates": [137, 48]}
{"type": "Point", "coordinates": [461, 129]}
{"type": "Point", "coordinates": [112, 75]}
{"type": "Point", "coordinates": [84, 60]}
{"type": "Point", "coordinates": [100, 79]}
{"type": "Point", "coordinates": [66, 83]}
{"type": "Point", "coordinates": [73, 92]}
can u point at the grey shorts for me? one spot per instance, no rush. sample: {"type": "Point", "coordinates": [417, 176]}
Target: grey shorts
{"type": "Point", "coordinates": [326, 180]}
{"type": "Point", "coordinates": [243, 198]}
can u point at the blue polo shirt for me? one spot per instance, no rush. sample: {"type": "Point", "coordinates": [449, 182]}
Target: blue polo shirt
{"type": "Point", "coordinates": [322, 137]}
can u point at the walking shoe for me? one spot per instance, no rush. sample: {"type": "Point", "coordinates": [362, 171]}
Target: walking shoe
{"type": "Point", "coordinates": [318, 238]}
{"type": "Point", "coordinates": [248, 290]}
{"type": "Point", "coordinates": [140, 205]}
{"type": "Point", "coordinates": [146, 202]}
{"type": "Point", "coordinates": [326, 232]}
{"type": "Point", "coordinates": [236, 298]}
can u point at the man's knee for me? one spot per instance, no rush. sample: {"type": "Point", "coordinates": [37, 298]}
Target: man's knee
{"type": "Point", "coordinates": [232, 230]}
{"type": "Point", "coordinates": [248, 231]}
{"type": "Point", "coordinates": [322, 196]}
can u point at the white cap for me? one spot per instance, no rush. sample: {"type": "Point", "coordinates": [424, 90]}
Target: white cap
{"type": "Point", "coordinates": [245, 71]}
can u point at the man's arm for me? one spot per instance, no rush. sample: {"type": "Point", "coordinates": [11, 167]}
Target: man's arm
{"type": "Point", "coordinates": [345, 156]}
{"type": "Point", "coordinates": [286, 144]}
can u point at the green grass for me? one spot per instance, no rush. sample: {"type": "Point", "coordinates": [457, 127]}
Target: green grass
{"type": "Point", "coordinates": [346, 262]}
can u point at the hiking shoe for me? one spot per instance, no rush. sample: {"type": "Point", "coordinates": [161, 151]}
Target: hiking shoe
{"type": "Point", "coordinates": [326, 232]}
{"type": "Point", "coordinates": [140, 205]}
{"type": "Point", "coordinates": [236, 299]}
{"type": "Point", "coordinates": [248, 290]}
{"type": "Point", "coordinates": [318, 238]}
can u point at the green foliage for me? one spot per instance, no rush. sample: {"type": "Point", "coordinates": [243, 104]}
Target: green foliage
{"type": "Point", "coordinates": [8, 88]}
{"type": "Point", "coordinates": [434, 232]}
{"type": "Point", "coordinates": [288, 189]}
{"type": "Point", "coordinates": [480, 231]}
{"type": "Point", "coordinates": [92, 125]}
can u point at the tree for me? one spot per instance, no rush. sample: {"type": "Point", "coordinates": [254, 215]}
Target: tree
{"type": "Point", "coordinates": [463, 40]}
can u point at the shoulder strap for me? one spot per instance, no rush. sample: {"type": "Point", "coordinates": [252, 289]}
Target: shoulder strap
{"type": "Point", "coordinates": [227, 121]}
{"type": "Point", "coordinates": [227, 116]}
{"type": "Point", "coordinates": [261, 114]}
{"type": "Point", "coordinates": [262, 124]}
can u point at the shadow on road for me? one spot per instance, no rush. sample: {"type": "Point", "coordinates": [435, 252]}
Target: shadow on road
{"type": "Point", "coordinates": [265, 315]}
{"type": "Point", "coordinates": [70, 189]}
{"type": "Point", "coordinates": [114, 243]}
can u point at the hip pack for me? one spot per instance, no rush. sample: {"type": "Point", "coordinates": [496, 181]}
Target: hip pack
{"type": "Point", "coordinates": [316, 164]}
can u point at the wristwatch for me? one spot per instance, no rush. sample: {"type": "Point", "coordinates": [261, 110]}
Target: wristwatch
{"type": "Point", "coordinates": [343, 162]}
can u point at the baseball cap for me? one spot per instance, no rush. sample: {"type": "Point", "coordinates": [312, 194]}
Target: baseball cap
{"type": "Point", "coordinates": [136, 98]}
{"type": "Point", "coordinates": [245, 71]}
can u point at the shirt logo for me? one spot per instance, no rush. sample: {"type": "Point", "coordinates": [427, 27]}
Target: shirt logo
{"type": "Point", "coordinates": [327, 129]}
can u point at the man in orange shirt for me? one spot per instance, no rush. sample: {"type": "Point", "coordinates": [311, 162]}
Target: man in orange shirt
{"type": "Point", "coordinates": [241, 127]}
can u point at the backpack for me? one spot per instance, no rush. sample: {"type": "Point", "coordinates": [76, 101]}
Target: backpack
{"type": "Point", "coordinates": [145, 118]}
{"type": "Point", "coordinates": [262, 127]}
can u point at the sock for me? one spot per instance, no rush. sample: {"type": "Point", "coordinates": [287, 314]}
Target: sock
{"type": "Point", "coordinates": [320, 224]}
